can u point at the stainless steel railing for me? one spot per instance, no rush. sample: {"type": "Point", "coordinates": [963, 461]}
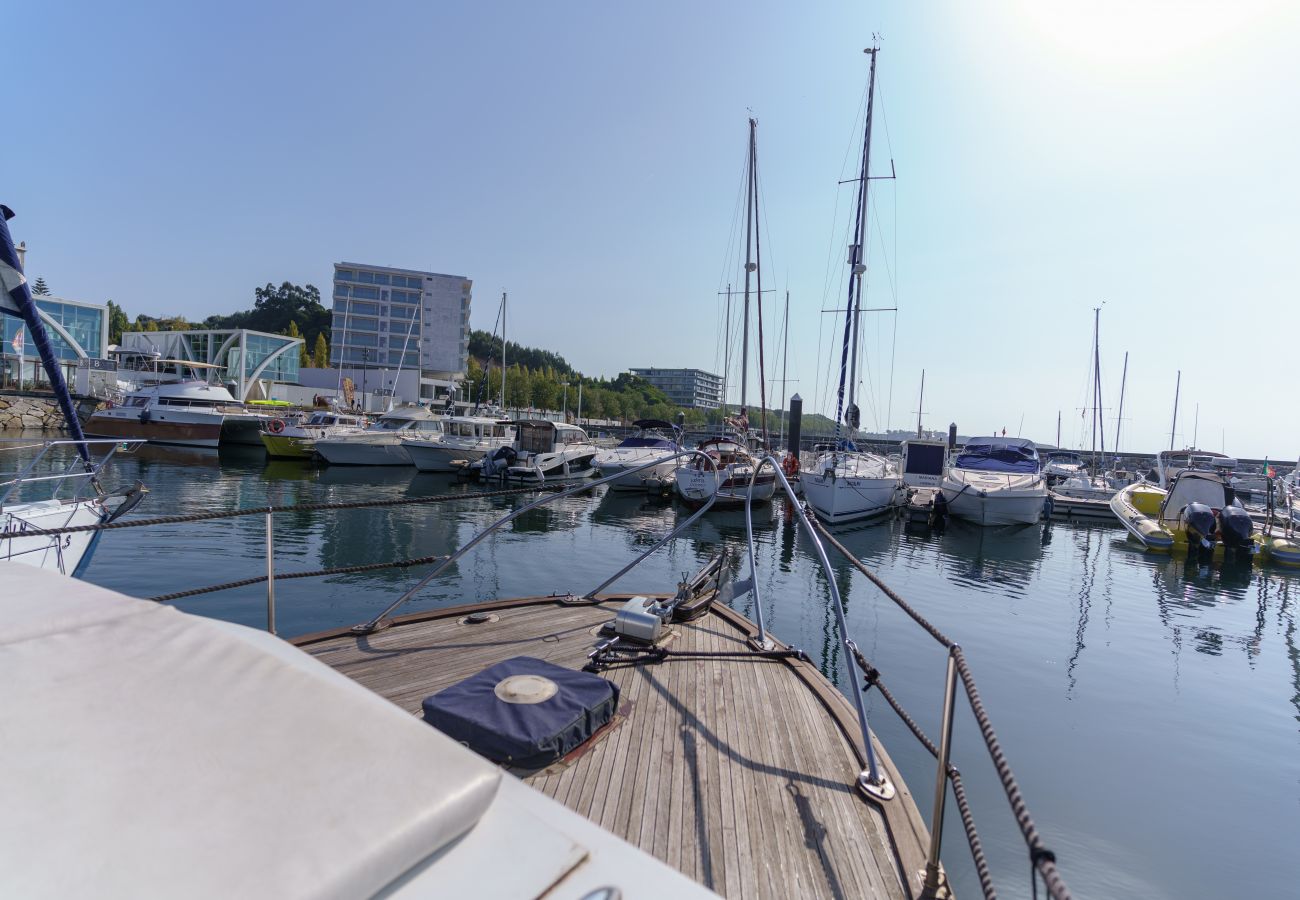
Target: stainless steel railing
{"type": "Point", "coordinates": [81, 479]}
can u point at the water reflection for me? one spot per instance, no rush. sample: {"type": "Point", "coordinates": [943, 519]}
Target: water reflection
{"type": "Point", "coordinates": [998, 560]}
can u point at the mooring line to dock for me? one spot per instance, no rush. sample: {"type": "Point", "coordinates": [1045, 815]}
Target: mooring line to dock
{"type": "Point", "coordinates": [280, 576]}
{"type": "Point", "coordinates": [263, 510]}
{"type": "Point", "coordinates": [1041, 858]}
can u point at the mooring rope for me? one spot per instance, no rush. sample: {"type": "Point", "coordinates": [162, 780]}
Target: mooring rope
{"type": "Point", "coordinates": [1042, 859]}
{"type": "Point", "coordinates": [263, 510]}
{"type": "Point", "coordinates": [335, 570]}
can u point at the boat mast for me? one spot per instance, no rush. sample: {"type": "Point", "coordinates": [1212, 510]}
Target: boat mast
{"type": "Point", "coordinates": [1098, 427]}
{"type": "Point", "coordinates": [726, 353]}
{"type": "Point", "coordinates": [749, 267]}
{"type": "Point", "coordinates": [1123, 380]}
{"type": "Point", "coordinates": [920, 405]}
{"type": "Point", "coordinates": [860, 248]}
{"type": "Point", "coordinates": [503, 351]}
{"type": "Point", "coordinates": [785, 358]}
{"type": "Point", "coordinates": [1058, 429]}
{"type": "Point", "coordinates": [1172, 428]}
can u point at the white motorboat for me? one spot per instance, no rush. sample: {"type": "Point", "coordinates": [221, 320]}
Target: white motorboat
{"type": "Point", "coordinates": [729, 476]}
{"type": "Point", "coordinates": [848, 485]}
{"type": "Point", "coordinates": [67, 554]}
{"type": "Point", "coordinates": [996, 481]}
{"type": "Point", "coordinates": [381, 443]}
{"type": "Point", "coordinates": [653, 439]}
{"type": "Point", "coordinates": [1060, 465]}
{"type": "Point", "coordinates": [464, 440]}
{"type": "Point", "coordinates": [542, 451]}
{"type": "Point", "coordinates": [190, 413]}
{"type": "Point", "coordinates": [287, 439]}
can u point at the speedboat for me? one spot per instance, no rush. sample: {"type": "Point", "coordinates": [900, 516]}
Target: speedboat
{"type": "Point", "coordinates": [543, 451]}
{"type": "Point", "coordinates": [846, 485]}
{"type": "Point", "coordinates": [463, 441]}
{"type": "Point", "coordinates": [1060, 465]}
{"type": "Point", "coordinates": [653, 439]}
{"type": "Point", "coordinates": [996, 481]}
{"type": "Point", "coordinates": [1201, 514]}
{"type": "Point", "coordinates": [381, 443]}
{"type": "Point", "coordinates": [728, 477]}
{"type": "Point", "coordinates": [190, 413]}
{"type": "Point", "coordinates": [1085, 487]}
{"type": "Point", "coordinates": [288, 440]}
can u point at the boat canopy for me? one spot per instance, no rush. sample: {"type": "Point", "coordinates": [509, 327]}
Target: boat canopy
{"type": "Point", "coordinates": [649, 424]}
{"type": "Point", "coordinates": [1196, 487]}
{"type": "Point", "coordinates": [998, 454]}
{"type": "Point", "coordinates": [1066, 456]}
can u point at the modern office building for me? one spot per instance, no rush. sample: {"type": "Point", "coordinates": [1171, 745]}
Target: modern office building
{"type": "Point", "coordinates": [249, 360]}
{"type": "Point", "coordinates": [386, 317]}
{"type": "Point", "coordinates": [690, 388]}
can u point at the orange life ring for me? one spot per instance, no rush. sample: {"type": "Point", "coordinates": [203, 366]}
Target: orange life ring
{"type": "Point", "coordinates": [276, 426]}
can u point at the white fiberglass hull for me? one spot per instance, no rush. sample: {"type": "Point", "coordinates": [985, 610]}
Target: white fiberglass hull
{"type": "Point", "coordinates": [994, 498]}
{"type": "Point", "coordinates": [731, 484]}
{"type": "Point", "coordinates": [847, 498]}
{"type": "Point", "coordinates": [611, 462]}
{"type": "Point", "coordinates": [364, 453]}
{"type": "Point", "coordinates": [63, 553]}
{"type": "Point", "coordinates": [429, 456]}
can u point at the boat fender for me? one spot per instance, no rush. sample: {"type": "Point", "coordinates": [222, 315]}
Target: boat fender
{"type": "Point", "coordinates": [275, 426]}
{"type": "Point", "coordinates": [1048, 506]}
{"type": "Point", "coordinates": [145, 415]}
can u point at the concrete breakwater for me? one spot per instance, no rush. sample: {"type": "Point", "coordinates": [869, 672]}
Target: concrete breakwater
{"type": "Point", "coordinates": [19, 410]}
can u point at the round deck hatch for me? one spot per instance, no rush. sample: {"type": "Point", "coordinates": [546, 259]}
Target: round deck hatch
{"type": "Point", "coordinates": [525, 689]}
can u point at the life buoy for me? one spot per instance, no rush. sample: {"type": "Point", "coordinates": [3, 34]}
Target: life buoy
{"type": "Point", "coordinates": [790, 465]}
{"type": "Point", "coordinates": [276, 426]}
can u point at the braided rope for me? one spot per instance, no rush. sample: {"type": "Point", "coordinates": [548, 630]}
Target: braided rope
{"type": "Point", "coordinates": [1041, 858]}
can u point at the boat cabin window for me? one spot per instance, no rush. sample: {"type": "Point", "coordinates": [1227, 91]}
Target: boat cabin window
{"type": "Point", "coordinates": [138, 401]}
{"type": "Point", "coordinates": [498, 431]}
{"type": "Point", "coordinates": [536, 437]}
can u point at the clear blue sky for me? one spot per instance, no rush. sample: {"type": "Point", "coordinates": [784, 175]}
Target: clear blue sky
{"type": "Point", "coordinates": [586, 157]}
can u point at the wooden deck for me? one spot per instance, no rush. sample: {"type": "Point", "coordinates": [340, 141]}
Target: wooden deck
{"type": "Point", "coordinates": [738, 772]}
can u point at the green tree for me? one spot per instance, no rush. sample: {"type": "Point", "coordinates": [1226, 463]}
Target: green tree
{"type": "Point", "coordinates": [304, 358]}
{"type": "Point", "coordinates": [40, 288]}
{"type": "Point", "coordinates": [117, 323]}
{"type": "Point", "coordinates": [546, 390]}
{"type": "Point", "coordinates": [320, 354]}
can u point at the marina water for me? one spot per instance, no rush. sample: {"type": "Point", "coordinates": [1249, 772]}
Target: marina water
{"type": "Point", "coordinates": [1150, 710]}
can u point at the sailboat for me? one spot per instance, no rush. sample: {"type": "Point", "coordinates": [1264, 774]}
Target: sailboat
{"type": "Point", "coordinates": [22, 516]}
{"type": "Point", "coordinates": [1088, 483]}
{"type": "Point", "coordinates": [846, 484]}
{"type": "Point", "coordinates": [731, 464]}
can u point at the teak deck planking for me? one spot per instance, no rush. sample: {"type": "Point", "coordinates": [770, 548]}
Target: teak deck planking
{"type": "Point", "coordinates": [737, 772]}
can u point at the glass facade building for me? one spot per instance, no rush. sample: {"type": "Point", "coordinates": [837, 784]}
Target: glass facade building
{"type": "Point", "coordinates": [690, 388]}
{"type": "Point", "coordinates": [386, 317]}
{"type": "Point", "coordinates": [77, 330]}
{"type": "Point", "coordinates": [246, 357]}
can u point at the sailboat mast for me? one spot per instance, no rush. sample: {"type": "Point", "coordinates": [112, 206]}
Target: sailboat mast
{"type": "Point", "coordinates": [785, 358]}
{"type": "Point", "coordinates": [1123, 380]}
{"type": "Point", "coordinates": [1058, 429]}
{"type": "Point", "coordinates": [503, 351]}
{"type": "Point", "coordinates": [920, 405]}
{"type": "Point", "coordinates": [726, 353]}
{"type": "Point", "coordinates": [749, 267]}
{"type": "Point", "coordinates": [860, 249]}
{"type": "Point", "coordinates": [1098, 427]}
{"type": "Point", "coordinates": [1174, 427]}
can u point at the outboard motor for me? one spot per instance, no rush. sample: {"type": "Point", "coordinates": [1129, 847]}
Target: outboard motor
{"type": "Point", "coordinates": [1200, 523]}
{"type": "Point", "coordinates": [939, 509]}
{"type": "Point", "coordinates": [1236, 529]}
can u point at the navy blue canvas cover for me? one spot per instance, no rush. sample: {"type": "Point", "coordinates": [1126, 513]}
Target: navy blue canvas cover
{"type": "Point", "coordinates": [999, 454]}
{"type": "Point", "coordinates": [528, 735]}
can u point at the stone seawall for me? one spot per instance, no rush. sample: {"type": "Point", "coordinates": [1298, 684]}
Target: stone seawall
{"type": "Point", "coordinates": [39, 411]}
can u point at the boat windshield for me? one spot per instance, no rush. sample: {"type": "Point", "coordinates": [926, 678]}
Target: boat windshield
{"type": "Point", "coordinates": [649, 440]}
{"type": "Point", "coordinates": [1017, 457]}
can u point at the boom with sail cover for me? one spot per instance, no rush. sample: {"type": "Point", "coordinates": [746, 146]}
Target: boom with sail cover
{"type": "Point", "coordinates": [17, 301]}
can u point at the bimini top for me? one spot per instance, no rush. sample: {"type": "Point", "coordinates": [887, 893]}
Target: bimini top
{"type": "Point", "coordinates": [999, 454]}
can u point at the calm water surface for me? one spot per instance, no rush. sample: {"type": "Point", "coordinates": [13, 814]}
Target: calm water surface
{"type": "Point", "coordinates": [1151, 712]}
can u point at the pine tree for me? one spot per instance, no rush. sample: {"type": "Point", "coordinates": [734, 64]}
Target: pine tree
{"type": "Point", "coordinates": [304, 359]}
{"type": "Point", "coordinates": [40, 288]}
{"type": "Point", "coordinates": [320, 354]}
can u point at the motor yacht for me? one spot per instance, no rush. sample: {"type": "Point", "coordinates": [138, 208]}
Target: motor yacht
{"type": "Point", "coordinates": [996, 481]}
{"type": "Point", "coordinates": [381, 443]}
{"type": "Point", "coordinates": [189, 413]}
{"type": "Point", "coordinates": [653, 439]}
{"type": "Point", "coordinates": [1060, 465]}
{"type": "Point", "coordinates": [287, 439]}
{"type": "Point", "coordinates": [542, 451]}
{"type": "Point", "coordinates": [464, 440]}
